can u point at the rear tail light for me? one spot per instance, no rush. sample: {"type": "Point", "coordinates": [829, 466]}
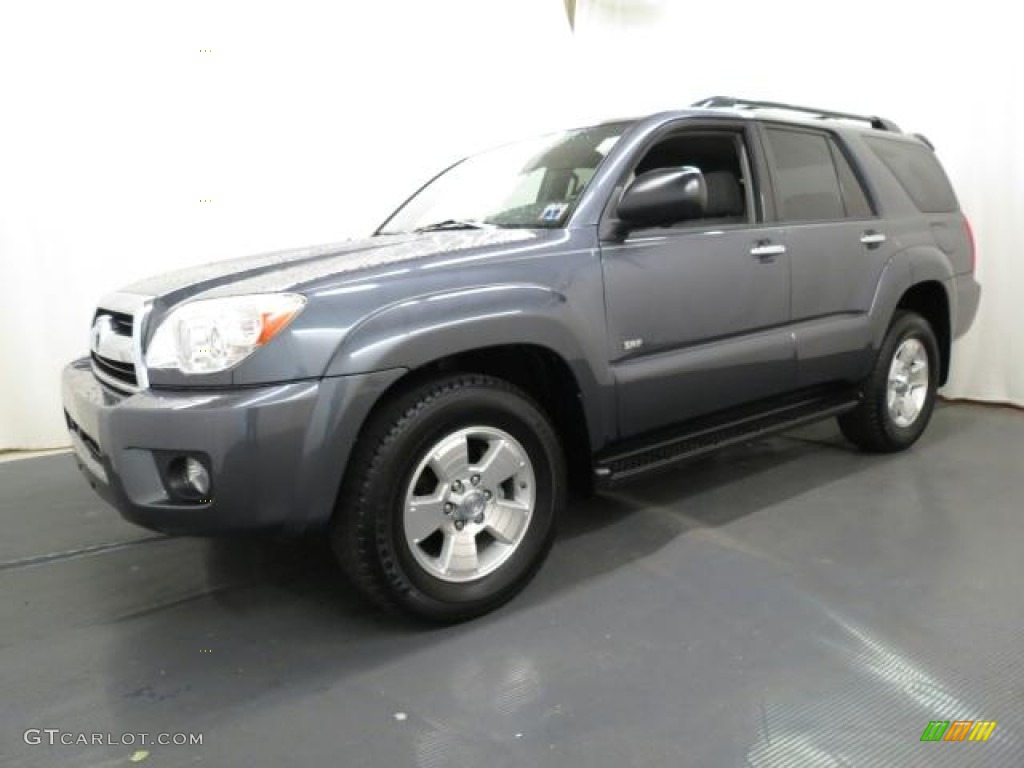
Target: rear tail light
{"type": "Point", "coordinates": [971, 243]}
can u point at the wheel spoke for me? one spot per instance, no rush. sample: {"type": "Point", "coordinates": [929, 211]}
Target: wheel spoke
{"type": "Point", "coordinates": [505, 520]}
{"type": "Point", "coordinates": [906, 352]}
{"type": "Point", "coordinates": [501, 462]}
{"type": "Point", "coordinates": [451, 459]}
{"type": "Point", "coordinates": [919, 374]}
{"type": "Point", "coordinates": [458, 553]}
{"type": "Point", "coordinates": [423, 516]}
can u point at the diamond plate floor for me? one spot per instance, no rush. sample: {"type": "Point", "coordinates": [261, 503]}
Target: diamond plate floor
{"type": "Point", "coordinates": [785, 603]}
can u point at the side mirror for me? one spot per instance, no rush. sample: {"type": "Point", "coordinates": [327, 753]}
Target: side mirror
{"type": "Point", "coordinates": [663, 197]}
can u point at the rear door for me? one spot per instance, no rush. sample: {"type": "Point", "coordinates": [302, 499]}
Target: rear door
{"type": "Point", "coordinates": [837, 247]}
{"type": "Point", "coordinates": [697, 314]}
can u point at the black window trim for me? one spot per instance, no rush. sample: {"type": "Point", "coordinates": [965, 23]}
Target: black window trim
{"type": "Point", "coordinates": [838, 144]}
{"type": "Point", "coordinates": [833, 141]}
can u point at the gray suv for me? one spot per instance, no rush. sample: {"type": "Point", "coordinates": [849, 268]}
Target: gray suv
{"type": "Point", "coordinates": [558, 314]}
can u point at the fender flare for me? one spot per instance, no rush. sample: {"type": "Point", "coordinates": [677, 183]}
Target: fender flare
{"type": "Point", "coordinates": [907, 268]}
{"type": "Point", "coordinates": [414, 332]}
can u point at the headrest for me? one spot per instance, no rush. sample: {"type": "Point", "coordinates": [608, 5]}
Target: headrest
{"type": "Point", "coordinates": [725, 196]}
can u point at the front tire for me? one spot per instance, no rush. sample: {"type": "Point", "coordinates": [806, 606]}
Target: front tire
{"type": "Point", "coordinates": [449, 505]}
{"type": "Point", "coordinates": [899, 394]}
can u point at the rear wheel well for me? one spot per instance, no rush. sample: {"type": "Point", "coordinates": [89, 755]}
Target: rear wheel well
{"type": "Point", "coordinates": [930, 301]}
{"type": "Point", "coordinates": [540, 373]}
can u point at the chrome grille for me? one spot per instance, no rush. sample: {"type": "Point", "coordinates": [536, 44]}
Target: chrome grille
{"type": "Point", "coordinates": [123, 372]}
{"type": "Point", "coordinates": [114, 348]}
{"type": "Point", "coordinates": [121, 321]}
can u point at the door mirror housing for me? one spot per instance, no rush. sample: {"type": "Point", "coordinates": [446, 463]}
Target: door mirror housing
{"type": "Point", "coordinates": [663, 197]}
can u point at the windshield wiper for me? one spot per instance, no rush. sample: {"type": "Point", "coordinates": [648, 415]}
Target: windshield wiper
{"type": "Point", "coordinates": [454, 224]}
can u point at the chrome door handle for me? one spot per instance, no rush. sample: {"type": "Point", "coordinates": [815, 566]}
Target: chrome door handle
{"type": "Point", "coordinates": [767, 250]}
{"type": "Point", "coordinates": [873, 238]}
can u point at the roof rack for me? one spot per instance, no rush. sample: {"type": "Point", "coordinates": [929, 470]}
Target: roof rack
{"type": "Point", "coordinates": [728, 102]}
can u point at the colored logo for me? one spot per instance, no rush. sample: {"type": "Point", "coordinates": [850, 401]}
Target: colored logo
{"type": "Point", "coordinates": [958, 730]}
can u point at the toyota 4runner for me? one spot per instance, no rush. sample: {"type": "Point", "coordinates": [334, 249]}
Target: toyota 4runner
{"type": "Point", "coordinates": [566, 312]}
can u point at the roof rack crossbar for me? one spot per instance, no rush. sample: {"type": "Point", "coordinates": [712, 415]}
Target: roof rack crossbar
{"type": "Point", "coordinates": [728, 102]}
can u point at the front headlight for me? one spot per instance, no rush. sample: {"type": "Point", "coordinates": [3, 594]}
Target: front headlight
{"type": "Point", "coordinates": [211, 335]}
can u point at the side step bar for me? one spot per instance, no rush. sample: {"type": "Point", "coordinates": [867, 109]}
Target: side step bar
{"type": "Point", "coordinates": [622, 465]}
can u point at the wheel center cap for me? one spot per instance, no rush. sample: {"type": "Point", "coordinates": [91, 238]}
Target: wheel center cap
{"type": "Point", "coordinates": [471, 506]}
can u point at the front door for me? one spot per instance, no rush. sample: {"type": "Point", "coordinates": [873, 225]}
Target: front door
{"type": "Point", "coordinates": [698, 314]}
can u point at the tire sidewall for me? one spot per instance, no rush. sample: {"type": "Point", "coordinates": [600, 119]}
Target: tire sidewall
{"type": "Point", "coordinates": [478, 406]}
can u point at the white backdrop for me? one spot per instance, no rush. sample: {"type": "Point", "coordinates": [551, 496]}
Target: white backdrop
{"type": "Point", "coordinates": [307, 121]}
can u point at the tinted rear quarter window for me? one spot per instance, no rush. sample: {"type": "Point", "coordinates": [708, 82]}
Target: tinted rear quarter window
{"type": "Point", "coordinates": [918, 172]}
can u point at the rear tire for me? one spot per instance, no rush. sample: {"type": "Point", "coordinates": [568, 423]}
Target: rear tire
{"type": "Point", "coordinates": [899, 394]}
{"type": "Point", "coordinates": [449, 504]}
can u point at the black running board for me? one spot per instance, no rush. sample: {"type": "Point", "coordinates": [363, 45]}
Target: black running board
{"type": "Point", "coordinates": [620, 465]}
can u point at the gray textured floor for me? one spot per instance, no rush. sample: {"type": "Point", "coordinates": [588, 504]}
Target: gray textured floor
{"type": "Point", "coordinates": [790, 602]}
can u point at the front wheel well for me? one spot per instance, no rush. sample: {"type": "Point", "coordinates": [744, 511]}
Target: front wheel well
{"type": "Point", "coordinates": [539, 372]}
{"type": "Point", "coordinates": [929, 300]}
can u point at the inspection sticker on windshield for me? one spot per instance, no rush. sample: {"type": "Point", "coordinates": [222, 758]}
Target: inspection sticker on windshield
{"type": "Point", "coordinates": [552, 212]}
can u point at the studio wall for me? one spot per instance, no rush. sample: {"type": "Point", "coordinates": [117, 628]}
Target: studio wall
{"type": "Point", "coordinates": [139, 138]}
{"type": "Point", "coordinates": [301, 122]}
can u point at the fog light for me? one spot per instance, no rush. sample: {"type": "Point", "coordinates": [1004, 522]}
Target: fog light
{"type": "Point", "coordinates": [197, 477]}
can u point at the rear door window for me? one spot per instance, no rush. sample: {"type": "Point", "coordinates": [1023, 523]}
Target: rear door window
{"type": "Point", "coordinates": [806, 183]}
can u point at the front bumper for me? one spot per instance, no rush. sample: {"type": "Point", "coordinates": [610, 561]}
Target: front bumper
{"type": "Point", "coordinates": [275, 453]}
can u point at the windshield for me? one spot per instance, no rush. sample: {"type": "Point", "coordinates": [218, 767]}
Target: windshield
{"type": "Point", "coordinates": [528, 184]}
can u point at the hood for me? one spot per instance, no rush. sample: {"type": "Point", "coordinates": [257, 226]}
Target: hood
{"type": "Point", "coordinates": [286, 270]}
